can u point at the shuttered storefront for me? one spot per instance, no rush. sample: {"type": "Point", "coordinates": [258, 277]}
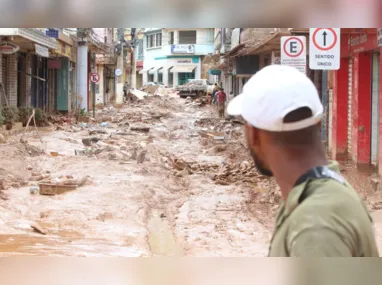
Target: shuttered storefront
{"type": "Point", "coordinates": [375, 110]}
{"type": "Point", "coordinates": [350, 91]}
{"type": "Point", "coordinates": [330, 121]}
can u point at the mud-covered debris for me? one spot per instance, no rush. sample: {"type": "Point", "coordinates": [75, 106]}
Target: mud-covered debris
{"type": "Point", "coordinates": [105, 216]}
{"type": "Point", "coordinates": [90, 141]}
{"type": "Point", "coordinates": [97, 131]}
{"type": "Point", "coordinates": [2, 139]}
{"type": "Point", "coordinates": [140, 128]}
{"type": "Point", "coordinates": [4, 196]}
{"type": "Point", "coordinates": [38, 228]}
{"type": "Point", "coordinates": [141, 156]}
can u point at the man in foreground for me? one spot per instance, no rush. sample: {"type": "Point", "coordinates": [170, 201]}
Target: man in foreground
{"type": "Point", "coordinates": [321, 214]}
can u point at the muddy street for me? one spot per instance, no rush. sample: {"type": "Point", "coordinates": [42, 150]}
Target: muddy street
{"type": "Point", "coordinates": [159, 177]}
{"type": "Point", "coordinates": [158, 180]}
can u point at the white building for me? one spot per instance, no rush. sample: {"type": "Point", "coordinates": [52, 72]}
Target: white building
{"type": "Point", "coordinates": [173, 56]}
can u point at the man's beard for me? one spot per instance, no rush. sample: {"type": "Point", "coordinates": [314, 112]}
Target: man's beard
{"type": "Point", "coordinates": [259, 165]}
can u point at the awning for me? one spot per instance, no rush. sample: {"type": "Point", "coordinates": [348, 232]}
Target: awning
{"type": "Point", "coordinates": [153, 71]}
{"type": "Point", "coordinates": [145, 70]}
{"type": "Point", "coordinates": [42, 51]}
{"type": "Point", "coordinates": [160, 70]}
{"type": "Point", "coordinates": [183, 68]}
{"type": "Point", "coordinates": [214, 72]}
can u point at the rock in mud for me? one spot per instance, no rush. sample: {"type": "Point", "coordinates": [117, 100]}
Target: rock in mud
{"type": "Point", "coordinates": [39, 229]}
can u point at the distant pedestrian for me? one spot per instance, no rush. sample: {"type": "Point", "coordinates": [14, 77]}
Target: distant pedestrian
{"type": "Point", "coordinates": [125, 90]}
{"type": "Point", "coordinates": [221, 98]}
{"type": "Point", "coordinates": [216, 89]}
{"type": "Point", "coordinates": [321, 215]}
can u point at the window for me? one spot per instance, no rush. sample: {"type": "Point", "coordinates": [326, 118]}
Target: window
{"type": "Point", "coordinates": [187, 37]}
{"type": "Point", "coordinates": [158, 41]}
{"type": "Point", "coordinates": [154, 40]}
{"type": "Point", "coordinates": [160, 78]}
{"type": "Point", "coordinates": [150, 41]}
{"type": "Point", "coordinates": [172, 40]}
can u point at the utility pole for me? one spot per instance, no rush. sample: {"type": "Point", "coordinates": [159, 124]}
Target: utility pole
{"type": "Point", "coordinates": [82, 69]}
{"type": "Point", "coordinates": [121, 39]}
{"type": "Point", "coordinates": [133, 64]}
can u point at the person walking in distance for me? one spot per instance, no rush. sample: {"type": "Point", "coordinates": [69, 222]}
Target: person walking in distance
{"type": "Point", "coordinates": [321, 215]}
{"type": "Point", "coordinates": [221, 97]}
{"type": "Point", "coordinates": [216, 89]}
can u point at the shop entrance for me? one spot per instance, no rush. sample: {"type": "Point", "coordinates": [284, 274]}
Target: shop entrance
{"type": "Point", "coordinates": [184, 77]}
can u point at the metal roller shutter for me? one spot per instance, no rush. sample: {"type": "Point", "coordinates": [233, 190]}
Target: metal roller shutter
{"type": "Point", "coordinates": [350, 91]}
{"type": "Point", "coordinates": [375, 111]}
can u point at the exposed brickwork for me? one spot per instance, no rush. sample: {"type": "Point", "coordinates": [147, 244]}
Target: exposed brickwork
{"type": "Point", "coordinates": [12, 79]}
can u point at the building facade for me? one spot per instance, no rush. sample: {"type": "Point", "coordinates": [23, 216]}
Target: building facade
{"type": "Point", "coordinates": [173, 56]}
{"type": "Point", "coordinates": [39, 68]}
{"type": "Point", "coordinates": [354, 103]}
{"type": "Point", "coordinates": [24, 67]}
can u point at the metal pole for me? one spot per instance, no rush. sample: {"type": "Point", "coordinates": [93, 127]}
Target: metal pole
{"type": "Point", "coordinates": [82, 69]}
{"type": "Point", "coordinates": [120, 65]}
{"type": "Point", "coordinates": [133, 64]}
{"type": "Point", "coordinates": [324, 90]}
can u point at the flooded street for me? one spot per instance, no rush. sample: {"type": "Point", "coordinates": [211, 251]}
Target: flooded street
{"type": "Point", "coordinates": [128, 208]}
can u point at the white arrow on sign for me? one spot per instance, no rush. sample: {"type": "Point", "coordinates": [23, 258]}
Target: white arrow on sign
{"type": "Point", "coordinates": [324, 53]}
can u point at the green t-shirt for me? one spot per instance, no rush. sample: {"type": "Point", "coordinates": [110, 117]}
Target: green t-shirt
{"type": "Point", "coordinates": [332, 221]}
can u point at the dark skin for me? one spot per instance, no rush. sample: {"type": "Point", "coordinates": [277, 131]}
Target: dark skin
{"type": "Point", "coordinates": [283, 157]}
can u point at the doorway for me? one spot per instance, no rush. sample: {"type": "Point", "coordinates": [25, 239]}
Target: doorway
{"type": "Point", "coordinates": [375, 109]}
{"type": "Point", "coordinates": [184, 77]}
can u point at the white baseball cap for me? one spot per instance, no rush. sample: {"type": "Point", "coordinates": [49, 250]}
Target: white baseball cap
{"type": "Point", "coordinates": [271, 94]}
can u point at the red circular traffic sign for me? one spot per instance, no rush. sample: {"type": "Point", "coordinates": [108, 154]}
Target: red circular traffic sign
{"type": "Point", "coordinates": [293, 55]}
{"type": "Point", "coordinates": [94, 77]}
{"type": "Point", "coordinates": [320, 47]}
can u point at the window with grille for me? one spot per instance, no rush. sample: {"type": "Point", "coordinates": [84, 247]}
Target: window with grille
{"type": "Point", "coordinates": [187, 37]}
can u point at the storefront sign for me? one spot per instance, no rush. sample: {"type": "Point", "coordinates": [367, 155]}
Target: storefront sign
{"type": "Point", "coordinates": [358, 40]}
{"type": "Point", "coordinates": [379, 37]}
{"type": "Point", "coordinates": [182, 49]}
{"type": "Point", "coordinates": [42, 51]}
{"type": "Point", "coordinates": [54, 64]}
{"type": "Point", "coordinates": [214, 71]}
{"type": "Point", "coordinates": [184, 61]}
{"type": "Point", "coordinates": [8, 48]}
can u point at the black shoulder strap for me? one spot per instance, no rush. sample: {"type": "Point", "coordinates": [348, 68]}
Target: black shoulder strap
{"type": "Point", "coordinates": [319, 172]}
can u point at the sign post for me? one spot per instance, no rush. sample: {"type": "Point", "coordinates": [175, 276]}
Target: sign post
{"type": "Point", "coordinates": [94, 77]}
{"type": "Point", "coordinates": [293, 52]}
{"type": "Point", "coordinates": [324, 54]}
{"type": "Point", "coordinates": [324, 51]}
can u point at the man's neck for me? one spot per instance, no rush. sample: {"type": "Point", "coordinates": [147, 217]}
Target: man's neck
{"type": "Point", "coordinates": [289, 169]}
